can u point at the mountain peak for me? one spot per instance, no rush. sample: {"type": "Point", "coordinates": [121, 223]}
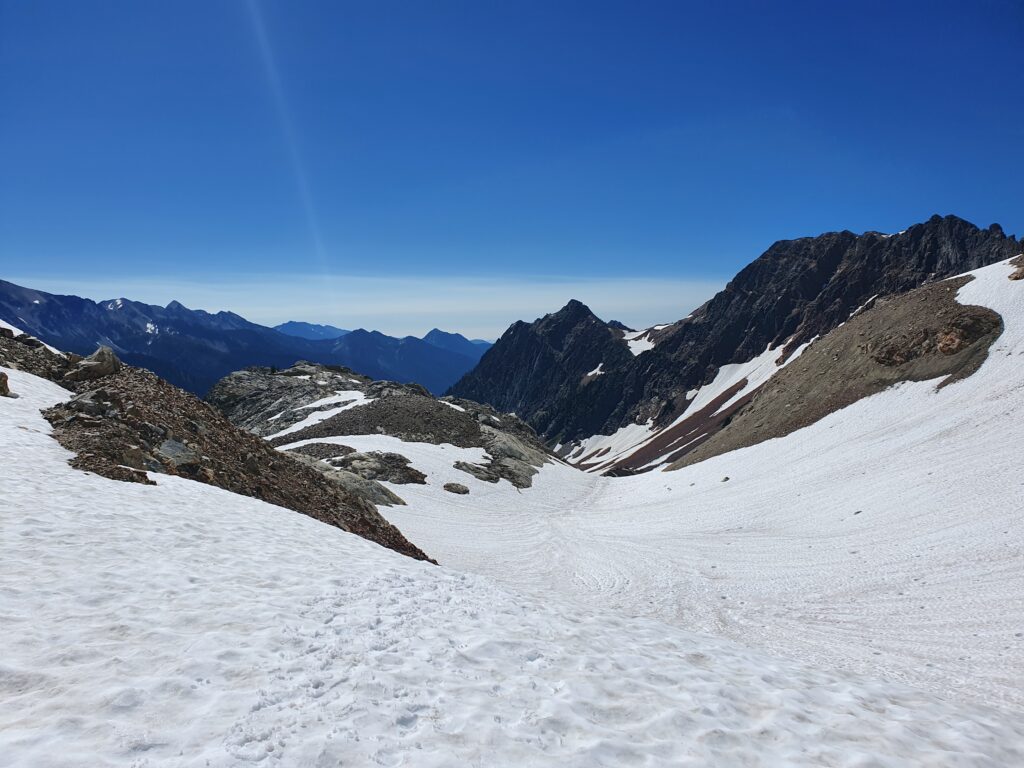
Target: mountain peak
{"type": "Point", "coordinates": [575, 308]}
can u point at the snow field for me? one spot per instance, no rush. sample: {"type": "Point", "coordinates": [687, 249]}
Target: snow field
{"type": "Point", "coordinates": [181, 625]}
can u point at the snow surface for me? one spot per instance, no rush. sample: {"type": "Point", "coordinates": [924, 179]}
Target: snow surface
{"type": "Point", "coordinates": [638, 341]}
{"type": "Point", "coordinates": [182, 625]}
{"type": "Point", "coordinates": [597, 371]}
{"type": "Point", "coordinates": [756, 372]}
{"type": "Point", "coordinates": [622, 442]}
{"type": "Point", "coordinates": [886, 539]}
{"type": "Point", "coordinates": [349, 398]}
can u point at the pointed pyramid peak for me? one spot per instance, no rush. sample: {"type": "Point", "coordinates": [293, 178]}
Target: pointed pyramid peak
{"type": "Point", "coordinates": [575, 307]}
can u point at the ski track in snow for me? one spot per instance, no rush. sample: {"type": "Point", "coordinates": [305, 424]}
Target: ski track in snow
{"type": "Point", "coordinates": [885, 540]}
{"type": "Point", "coordinates": [181, 625]}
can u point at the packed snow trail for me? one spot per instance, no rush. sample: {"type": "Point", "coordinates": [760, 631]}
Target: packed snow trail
{"type": "Point", "coordinates": [182, 625]}
{"type": "Point", "coordinates": [886, 539]}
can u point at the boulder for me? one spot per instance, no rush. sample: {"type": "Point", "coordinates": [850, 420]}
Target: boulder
{"type": "Point", "coordinates": [378, 465]}
{"type": "Point", "coordinates": [178, 454]}
{"type": "Point", "coordinates": [458, 488]}
{"type": "Point", "coordinates": [5, 390]}
{"type": "Point", "coordinates": [95, 402]}
{"type": "Point", "coordinates": [102, 362]}
{"type": "Point", "coordinates": [362, 487]}
{"type": "Point", "coordinates": [479, 471]}
{"type": "Point", "coordinates": [29, 341]}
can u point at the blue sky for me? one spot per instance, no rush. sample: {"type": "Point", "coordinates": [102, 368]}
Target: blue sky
{"type": "Point", "coordinates": [402, 165]}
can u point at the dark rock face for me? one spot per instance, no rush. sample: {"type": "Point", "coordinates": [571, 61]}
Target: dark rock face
{"type": "Point", "coordinates": [537, 370]}
{"type": "Point", "coordinates": [458, 488]}
{"type": "Point", "coordinates": [796, 290]}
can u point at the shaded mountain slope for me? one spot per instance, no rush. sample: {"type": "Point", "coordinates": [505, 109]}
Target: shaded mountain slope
{"type": "Point", "coordinates": [456, 342]}
{"type": "Point", "coordinates": [311, 331]}
{"type": "Point", "coordinates": [193, 349]}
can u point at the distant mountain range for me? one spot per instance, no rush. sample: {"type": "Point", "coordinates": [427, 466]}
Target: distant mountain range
{"type": "Point", "coordinates": [194, 349]}
{"type": "Point", "coordinates": [574, 377]}
{"type": "Point", "coordinates": [310, 331]}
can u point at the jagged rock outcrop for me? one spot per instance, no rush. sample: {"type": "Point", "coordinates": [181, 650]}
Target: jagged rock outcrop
{"type": "Point", "coordinates": [795, 291]}
{"type": "Point", "coordinates": [102, 362]}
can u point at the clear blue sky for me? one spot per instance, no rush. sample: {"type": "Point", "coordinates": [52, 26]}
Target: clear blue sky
{"type": "Point", "coordinates": [311, 160]}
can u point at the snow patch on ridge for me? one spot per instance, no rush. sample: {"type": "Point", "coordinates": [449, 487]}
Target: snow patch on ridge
{"type": "Point", "coordinates": [351, 398]}
{"type": "Point", "coordinates": [640, 341]}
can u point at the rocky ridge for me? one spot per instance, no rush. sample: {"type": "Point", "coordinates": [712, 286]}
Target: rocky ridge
{"type": "Point", "coordinates": [124, 422]}
{"type": "Point", "coordinates": [921, 335]}
{"type": "Point", "coordinates": [796, 291]}
{"type": "Point", "coordinates": [286, 406]}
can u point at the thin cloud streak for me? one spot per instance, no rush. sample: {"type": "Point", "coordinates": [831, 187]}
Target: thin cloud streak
{"type": "Point", "coordinates": [479, 307]}
{"type": "Point", "coordinates": [284, 115]}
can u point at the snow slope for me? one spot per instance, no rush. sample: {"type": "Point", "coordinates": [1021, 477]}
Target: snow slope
{"type": "Point", "coordinates": [181, 625]}
{"type": "Point", "coordinates": [600, 453]}
{"type": "Point", "coordinates": [886, 539]}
